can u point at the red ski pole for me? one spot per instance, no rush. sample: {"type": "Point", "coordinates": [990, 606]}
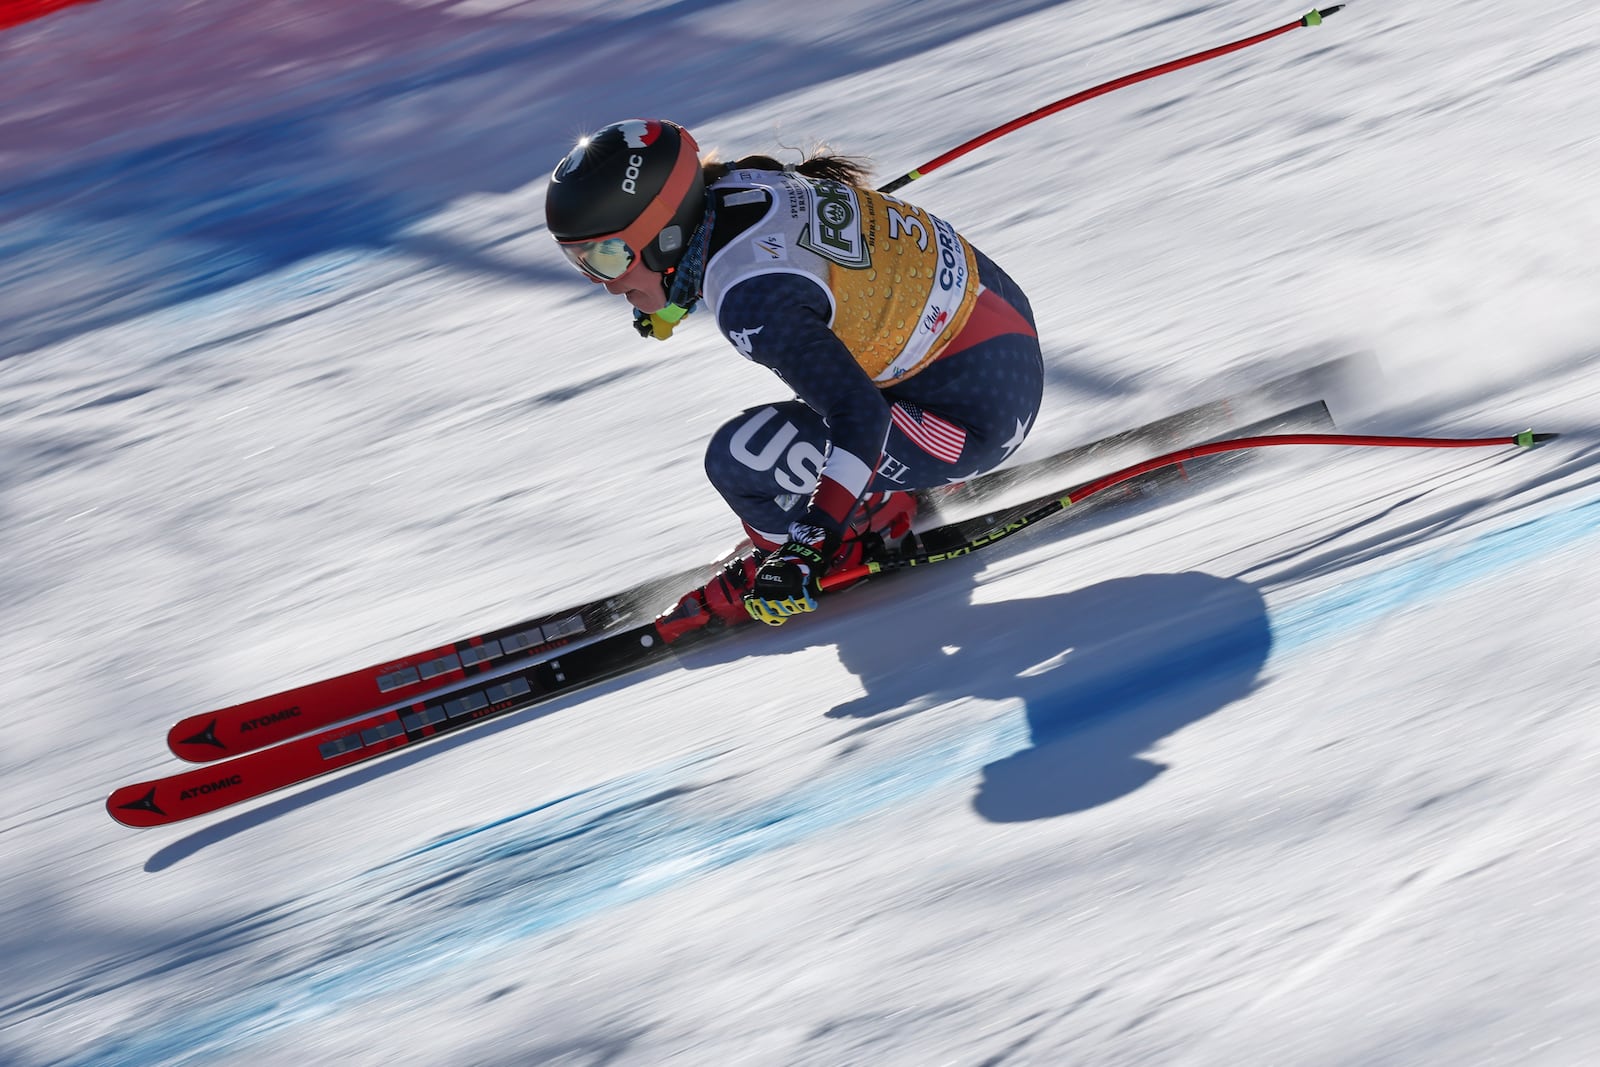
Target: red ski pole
{"type": "Point", "coordinates": [1313, 19]}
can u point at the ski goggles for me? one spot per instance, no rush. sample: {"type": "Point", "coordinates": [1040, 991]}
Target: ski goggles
{"type": "Point", "coordinates": [604, 259]}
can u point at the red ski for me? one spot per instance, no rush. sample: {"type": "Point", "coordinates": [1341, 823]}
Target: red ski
{"type": "Point", "coordinates": [267, 720]}
{"type": "Point", "coordinates": [205, 789]}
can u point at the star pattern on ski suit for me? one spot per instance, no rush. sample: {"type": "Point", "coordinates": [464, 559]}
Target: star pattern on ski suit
{"type": "Point", "coordinates": [1014, 442]}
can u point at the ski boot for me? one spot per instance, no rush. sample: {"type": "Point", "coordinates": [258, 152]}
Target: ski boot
{"type": "Point", "coordinates": [880, 527]}
{"type": "Point", "coordinates": [717, 604]}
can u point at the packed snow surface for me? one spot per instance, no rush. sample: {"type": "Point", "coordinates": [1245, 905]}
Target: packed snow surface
{"type": "Point", "coordinates": [1301, 767]}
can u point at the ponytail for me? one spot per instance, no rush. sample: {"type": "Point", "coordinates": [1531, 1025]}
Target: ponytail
{"type": "Point", "coordinates": [847, 170]}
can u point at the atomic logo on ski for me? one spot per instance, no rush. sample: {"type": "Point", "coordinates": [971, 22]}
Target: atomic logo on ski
{"type": "Point", "coordinates": [144, 803]}
{"type": "Point", "coordinates": [207, 736]}
{"type": "Point", "coordinates": [209, 787]}
{"type": "Point", "coordinates": [266, 720]}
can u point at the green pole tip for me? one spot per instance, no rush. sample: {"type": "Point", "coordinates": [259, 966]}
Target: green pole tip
{"type": "Point", "coordinates": [1529, 439]}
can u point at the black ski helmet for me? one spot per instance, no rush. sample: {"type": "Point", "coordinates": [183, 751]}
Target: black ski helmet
{"type": "Point", "coordinates": [632, 189]}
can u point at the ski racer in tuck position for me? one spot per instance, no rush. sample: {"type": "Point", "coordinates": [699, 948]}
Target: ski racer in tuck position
{"type": "Point", "coordinates": [914, 359]}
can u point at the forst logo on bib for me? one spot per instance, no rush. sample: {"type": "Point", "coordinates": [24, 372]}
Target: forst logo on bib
{"type": "Point", "coordinates": [836, 219]}
{"type": "Point", "coordinates": [836, 214]}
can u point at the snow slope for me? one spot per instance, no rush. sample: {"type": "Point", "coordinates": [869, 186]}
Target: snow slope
{"type": "Point", "coordinates": [1296, 770]}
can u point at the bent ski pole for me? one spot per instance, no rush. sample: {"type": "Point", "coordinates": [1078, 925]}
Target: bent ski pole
{"type": "Point", "coordinates": [1313, 19]}
{"type": "Point", "coordinates": [1525, 439]}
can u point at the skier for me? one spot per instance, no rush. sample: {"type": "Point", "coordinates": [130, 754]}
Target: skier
{"type": "Point", "coordinates": [914, 359]}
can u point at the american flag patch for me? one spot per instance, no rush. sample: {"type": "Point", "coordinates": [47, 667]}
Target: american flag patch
{"type": "Point", "coordinates": [939, 438]}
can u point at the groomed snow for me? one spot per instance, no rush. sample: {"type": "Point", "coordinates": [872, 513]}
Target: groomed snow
{"type": "Point", "coordinates": [1300, 768]}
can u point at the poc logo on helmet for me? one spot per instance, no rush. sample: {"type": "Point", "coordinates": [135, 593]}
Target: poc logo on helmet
{"type": "Point", "coordinates": [629, 185]}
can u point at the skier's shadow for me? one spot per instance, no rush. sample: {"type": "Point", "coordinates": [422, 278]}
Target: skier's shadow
{"type": "Point", "coordinates": [1104, 673]}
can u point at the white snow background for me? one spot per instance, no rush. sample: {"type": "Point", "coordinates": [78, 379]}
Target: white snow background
{"type": "Point", "coordinates": [1300, 769]}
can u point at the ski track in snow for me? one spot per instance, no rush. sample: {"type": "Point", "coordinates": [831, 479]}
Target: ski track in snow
{"type": "Point", "coordinates": [289, 379]}
{"type": "Point", "coordinates": [533, 872]}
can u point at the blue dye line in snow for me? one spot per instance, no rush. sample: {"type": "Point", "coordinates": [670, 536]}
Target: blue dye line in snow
{"type": "Point", "coordinates": [1354, 603]}
{"type": "Point", "coordinates": [486, 888]}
